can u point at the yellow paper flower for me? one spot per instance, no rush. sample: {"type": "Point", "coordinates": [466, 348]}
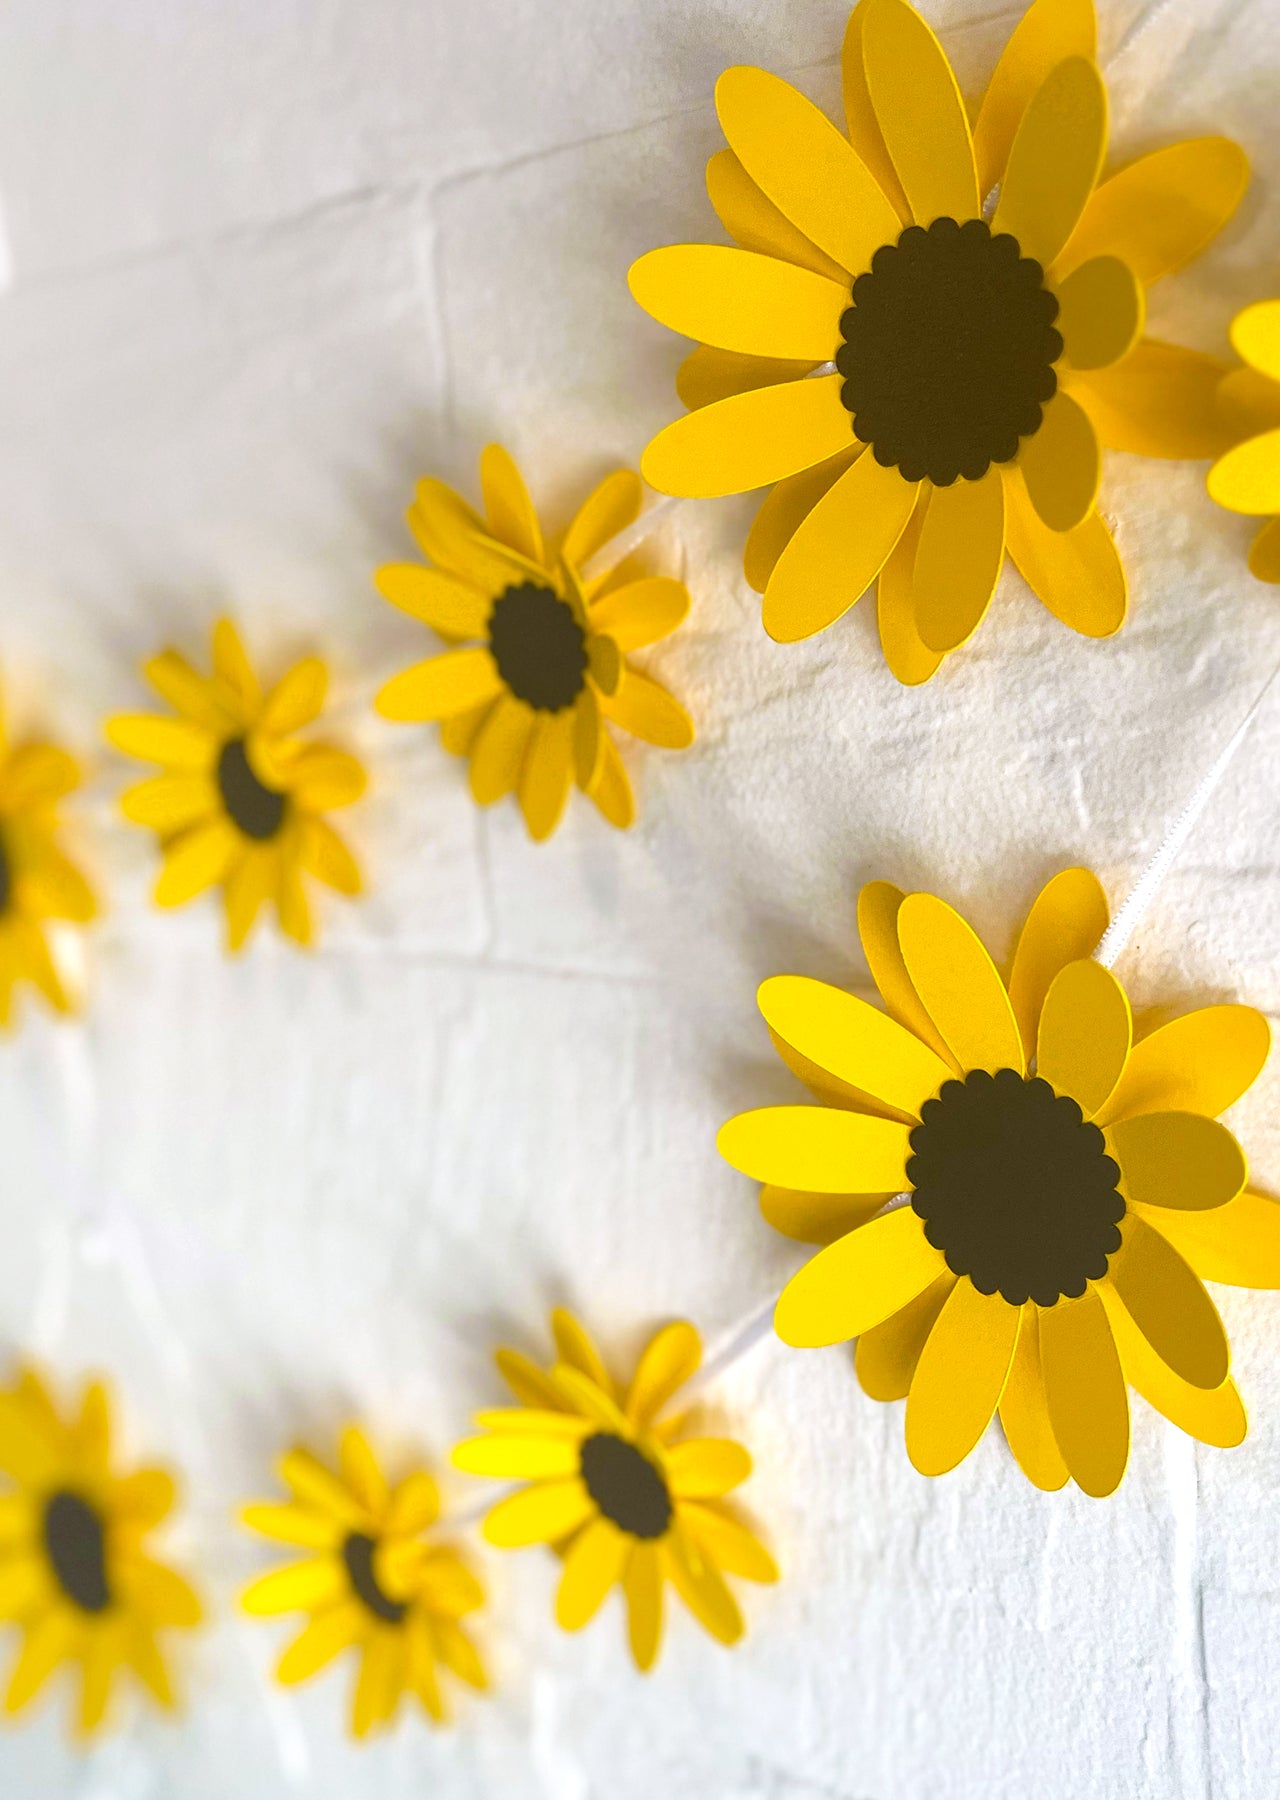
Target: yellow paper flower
{"type": "Point", "coordinates": [371, 1581]}
{"type": "Point", "coordinates": [1069, 1187]}
{"type": "Point", "coordinates": [241, 800]}
{"type": "Point", "coordinates": [1247, 478]}
{"type": "Point", "coordinates": [37, 881]}
{"type": "Point", "coordinates": [541, 659]}
{"type": "Point", "coordinates": [616, 1489]}
{"type": "Point", "coordinates": [74, 1573]}
{"type": "Point", "coordinates": [869, 305]}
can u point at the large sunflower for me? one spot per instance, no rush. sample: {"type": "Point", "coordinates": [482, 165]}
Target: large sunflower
{"type": "Point", "coordinates": [372, 1582]}
{"type": "Point", "coordinates": [615, 1488]}
{"type": "Point", "coordinates": [1068, 1185]}
{"type": "Point", "coordinates": [541, 664]}
{"type": "Point", "coordinates": [241, 799]}
{"type": "Point", "coordinates": [38, 883]}
{"type": "Point", "coordinates": [74, 1574]}
{"type": "Point", "coordinates": [1247, 479]}
{"type": "Point", "coordinates": [870, 305]}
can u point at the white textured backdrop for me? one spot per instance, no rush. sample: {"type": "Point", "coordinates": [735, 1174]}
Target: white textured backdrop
{"type": "Point", "coordinates": [264, 263]}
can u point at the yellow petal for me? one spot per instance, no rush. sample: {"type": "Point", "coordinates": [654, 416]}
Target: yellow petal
{"type": "Point", "coordinates": [853, 1041]}
{"type": "Point", "coordinates": [1024, 1412]}
{"type": "Point", "coordinates": [145, 1497]}
{"type": "Point", "coordinates": [805, 166]}
{"type": "Point", "coordinates": [1210, 1415]}
{"type": "Point", "coordinates": [612, 792]}
{"type": "Point", "coordinates": [705, 1468]}
{"type": "Point", "coordinates": [1103, 309]}
{"type": "Point", "coordinates": [1055, 160]}
{"type": "Point", "coordinates": [53, 887]}
{"type": "Point", "coordinates": [642, 1584]}
{"type": "Point", "coordinates": [325, 856]}
{"type": "Point", "coordinates": [296, 699]}
{"type": "Point", "coordinates": [290, 1524]}
{"type": "Point", "coordinates": [725, 1541]}
{"type": "Point", "coordinates": [1066, 922]}
{"type": "Point", "coordinates": [750, 439]}
{"type": "Point", "coordinates": [1161, 211]}
{"type": "Point", "coordinates": [740, 300]}
{"type": "Point", "coordinates": [169, 803]}
{"type": "Point", "coordinates": [547, 773]}
{"type": "Point", "coordinates": [448, 1586]}
{"type": "Point", "coordinates": [524, 1457]}
{"type": "Point", "coordinates": [1077, 574]}
{"type": "Point", "coordinates": [415, 1502]}
{"type": "Point", "coordinates": [162, 1594]}
{"type": "Point", "coordinates": [1264, 555]}
{"type": "Point", "coordinates": [360, 1472]}
{"type": "Point", "coordinates": [527, 1381]}
{"type": "Point", "coordinates": [451, 535]}
{"type": "Point", "coordinates": [1084, 1387]}
{"type": "Point", "coordinates": [909, 658]}
{"type": "Point", "coordinates": [754, 222]}
{"type": "Point", "coordinates": [817, 1148]}
{"type": "Point", "coordinates": [498, 753]}
{"type": "Point", "coordinates": [858, 1282]}
{"type": "Point", "coordinates": [195, 861]}
{"type": "Point", "coordinates": [1161, 400]}
{"type": "Point", "coordinates": [1255, 333]}
{"type": "Point", "coordinates": [1237, 1244]}
{"type": "Point", "coordinates": [920, 112]}
{"type": "Point", "coordinates": [91, 1434]}
{"type": "Point", "coordinates": [316, 1486]}
{"type": "Point", "coordinates": [576, 1348]}
{"type": "Point", "coordinates": [1048, 33]}
{"type": "Point", "coordinates": [879, 903]}
{"type": "Point", "coordinates": [860, 116]}
{"type": "Point", "coordinates": [958, 985]}
{"type": "Point", "coordinates": [817, 1218]}
{"type": "Point", "coordinates": [36, 775]}
{"type": "Point", "coordinates": [30, 1452]}
{"type": "Point", "coordinates": [421, 1667]}
{"type": "Point", "coordinates": [593, 1563]}
{"type": "Point", "coordinates": [604, 661]}
{"type": "Point", "coordinates": [459, 1653]}
{"type": "Point", "coordinates": [50, 1640]}
{"type": "Point", "coordinates": [1062, 464]}
{"type": "Point", "coordinates": [670, 1358]}
{"type": "Point", "coordinates": [643, 707]}
{"type": "Point", "coordinates": [1248, 402]}
{"type": "Point", "coordinates": [379, 1682]}
{"type": "Point", "coordinates": [839, 549]}
{"type": "Point", "coordinates": [641, 612]}
{"type": "Point", "coordinates": [958, 560]}
{"type": "Point", "coordinates": [886, 1356]}
{"type": "Point", "coordinates": [24, 1587]}
{"type": "Point", "coordinates": [320, 1641]}
{"type": "Point", "coordinates": [1200, 1063]}
{"type": "Point", "coordinates": [1086, 1029]}
{"type": "Point", "coordinates": [441, 687]}
{"type": "Point", "coordinates": [539, 1515]}
{"type": "Point", "coordinates": [292, 905]}
{"type": "Point", "coordinates": [250, 883]}
{"type": "Point", "coordinates": [1247, 479]}
{"type": "Point", "coordinates": [707, 374]}
{"type": "Point", "coordinates": [702, 1588]}
{"type": "Point", "coordinates": [1167, 1302]}
{"type": "Point", "coordinates": [511, 516]}
{"type": "Point", "coordinates": [608, 509]}
{"type": "Point", "coordinates": [536, 1418]}
{"type": "Point", "coordinates": [451, 608]}
{"type": "Point", "coordinates": [232, 666]}
{"type": "Point", "coordinates": [320, 777]}
{"type": "Point", "coordinates": [784, 509]}
{"type": "Point", "coordinates": [174, 743]}
{"type": "Point", "coordinates": [299, 1587]}
{"type": "Point", "coordinates": [959, 1378]}
{"type": "Point", "coordinates": [1178, 1159]}
{"type": "Point", "coordinates": [142, 1654]}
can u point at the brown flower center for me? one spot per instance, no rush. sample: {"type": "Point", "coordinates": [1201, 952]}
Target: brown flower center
{"type": "Point", "coordinates": [357, 1554]}
{"type": "Point", "coordinates": [75, 1542]}
{"type": "Point", "coordinates": [257, 810]}
{"type": "Point", "coordinates": [625, 1485]}
{"type": "Point", "coordinates": [539, 647]}
{"type": "Point", "coordinates": [1015, 1189]}
{"type": "Point", "coordinates": [949, 351]}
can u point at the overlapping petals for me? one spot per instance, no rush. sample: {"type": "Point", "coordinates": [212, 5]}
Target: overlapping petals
{"type": "Point", "coordinates": [1246, 479]}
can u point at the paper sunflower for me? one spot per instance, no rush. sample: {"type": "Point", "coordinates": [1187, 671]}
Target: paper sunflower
{"type": "Point", "coordinates": [1069, 1187]}
{"type": "Point", "coordinates": [371, 1581]}
{"type": "Point", "coordinates": [869, 305]}
{"type": "Point", "coordinates": [1247, 478]}
{"type": "Point", "coordinates": [241, 800]}
{"type": "Point", "coordinates": [37, 881]}
{"type": "Point", "coordinates": [540, 664]}
{"type": "Point", "coordinates": [74, 1574]}
{"type": "Point", "coordinates": [625, 1499]}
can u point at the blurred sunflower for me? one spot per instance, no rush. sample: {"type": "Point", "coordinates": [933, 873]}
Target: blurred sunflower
{"type": "Point", "coordinates": [37, 881]}
{"type": "Point", "coordinates": [615, 1489]}
{"type": "Point", "coordinates": [74, 1574]}
{"type": "Point", "coordinates": [541, 663]}
{"type": "Point", "coordinates": [1069, 1187]}
{"type": "Point", "coordinates": [1247, 478]}
{"type": "Point", "coordinates": [241, 799]}
{"type": "Point", "coordinates": [371, 1582]}
{"type": "Point", "coordinates": [870, 306]}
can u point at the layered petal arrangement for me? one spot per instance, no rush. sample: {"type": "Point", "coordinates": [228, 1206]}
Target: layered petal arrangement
{"type": "Point", "coordinates": [540, 661]}
{"type": "Point", "coordinates": [618, 1488]}
{"type": "Point", "coordinates": [1070, 1187]}
{"type": "Point", "coordinates": [374, 1580]}
{"type": "Point", "coordinates": [1247, 478]}
{"type": "Point", "coordinates": [75, 1572]}
{"type": "Point", "coordinates": [925, 331]}
{"type": "Point", "coordinates": [39, 884]}
{"type": "Point", "coordinates": [242, 799]}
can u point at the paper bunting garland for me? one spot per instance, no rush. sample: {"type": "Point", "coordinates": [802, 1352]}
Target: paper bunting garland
{"type": "Point", "coordinates": [1247, 479]}
{"type": "Point", "coordinates": [376, 1579]}
{"type": "Point", "coordinates": [38, 882]}
{"type": "Point", "coordinates": [241, 799]}
{"type": "Point", "coordinates": [541, 665]}
{"type": "Point", "coordinates": [869, 306]}
{"type": "Point", "coordinates": [615, 1485]}
{"type": "Point", "coordinates": [75, 1574]}
{"type": "Point", "coordinates": [1069, 1187]}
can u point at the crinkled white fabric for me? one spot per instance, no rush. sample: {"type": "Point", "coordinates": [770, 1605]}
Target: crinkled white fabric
{"type": "Point", "coordinates": [267, 261]}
